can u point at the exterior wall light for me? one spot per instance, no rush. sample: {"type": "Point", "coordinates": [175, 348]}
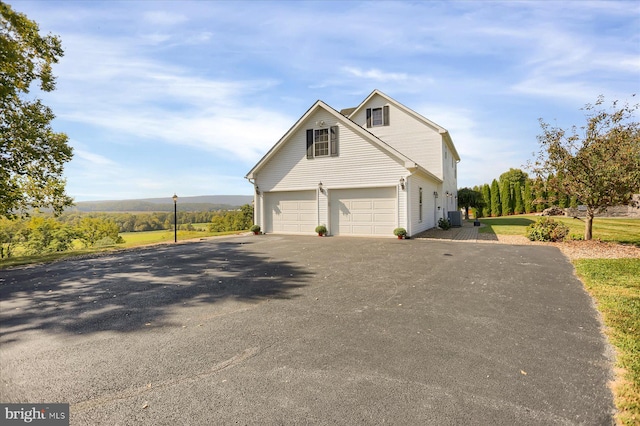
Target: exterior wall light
{"type": "Point", "coordinates": [402, 183]}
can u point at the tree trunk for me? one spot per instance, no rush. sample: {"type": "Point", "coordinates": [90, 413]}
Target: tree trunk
{"type": "Point", "coordinates": [466, 213]}
{"type": "Point", "coordinates": [588, 225]}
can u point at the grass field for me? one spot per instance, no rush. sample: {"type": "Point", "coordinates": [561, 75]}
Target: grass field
{"type": "Point", "coordinates": [615, 285]}
{"type": "Point", "coordinates": [621, 230]}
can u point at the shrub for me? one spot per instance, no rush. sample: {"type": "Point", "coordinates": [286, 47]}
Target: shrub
{"type": "Point", "coordinates": [400, 232]}
{"type": "Point", "coordinates": [547, 230]}
{"type": "Point", "coordinates": [105, 242]}
{"type": "Point", "coordinates": [444, 223]}
{"type": "Point", "coordinates": [321, 229]}
{"type": "Point", "coordinates": [255, 229]}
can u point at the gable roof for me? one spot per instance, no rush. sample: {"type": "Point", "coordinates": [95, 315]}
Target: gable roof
{"type": "Point", "coordinates": [444, 132]}
{"type": "Point", "coordinates": [347, 111]}
{"type": "Point", "coordinates": [365, 134]}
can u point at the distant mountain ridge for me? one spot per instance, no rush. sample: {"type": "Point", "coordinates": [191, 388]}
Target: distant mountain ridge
{"type": "Point", "coordinates": [195, 203]}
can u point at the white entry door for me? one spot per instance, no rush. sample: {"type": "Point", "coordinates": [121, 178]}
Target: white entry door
{"type": "Point", "coordinates": [367, 211]}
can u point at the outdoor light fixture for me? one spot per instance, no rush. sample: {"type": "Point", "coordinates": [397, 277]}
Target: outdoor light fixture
{"type": "Point", "coordinates": [320, 187]}
{"type": "Point", "coordinates": [257, 190]}
{"type": "Point", "coordinates": [175, 218]}
{"type": "Point", "coordinates": [435, 194]}
{"type": "Point", "coordinates": [402, 182]}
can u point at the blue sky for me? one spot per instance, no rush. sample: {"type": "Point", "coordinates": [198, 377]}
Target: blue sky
{"type": "Point", "coordinates": [160, 97]}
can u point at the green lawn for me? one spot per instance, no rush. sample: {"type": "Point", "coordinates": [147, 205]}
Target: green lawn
{"type": "Point", "coordinates": [615, 285]}
{"type": "Point", "coordinates": [621, 230]}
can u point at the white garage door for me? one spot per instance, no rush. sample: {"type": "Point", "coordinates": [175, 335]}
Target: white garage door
{"type": "Point", "coordinates": [292, 212]}
{"type": "Point", "coordinates": [370, 211]}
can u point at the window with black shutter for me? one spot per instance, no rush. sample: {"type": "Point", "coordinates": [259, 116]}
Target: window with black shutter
{"type": "Point", "coordinates": [322, 142]}
{"type": "Point", "coordinates": [378, 116]}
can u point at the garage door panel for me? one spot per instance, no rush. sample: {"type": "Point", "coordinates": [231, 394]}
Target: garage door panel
{"type": "Point", "coordinates": [290, 217]}
{"type": "Point", "coordinates": [367, 211]}
{"type": "Point", "coordinates": [384, 217]}
{"type": "Point", "coordinates": [307, 206]}
{"type": "Point", "coordinates": [362, 217]}
{"type": "Point", "coordinates": [307, 217]}
{"type": "Point", "coordinates": [290, 212]}
{"type": "Point", "coordinates": [384, 204]}
{"type": "Point", "coordinates": [361, 205]}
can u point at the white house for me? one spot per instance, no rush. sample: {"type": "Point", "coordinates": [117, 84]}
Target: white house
{"type": "Point", "coordinates": [362, 171]}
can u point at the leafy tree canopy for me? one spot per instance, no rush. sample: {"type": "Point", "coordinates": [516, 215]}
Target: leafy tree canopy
{"type": "Point", "coordinates": [468, 198]}
{"type": "Point", "coordinates": [599, 162]}
{"type": "Point", "coordinates": [513, 176]}
{"type": "Point", "coordinates": [32, 155]}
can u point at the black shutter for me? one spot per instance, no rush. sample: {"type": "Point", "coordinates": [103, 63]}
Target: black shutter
{"type": "Point", "coordinates": [333, 140]}
{"type": "Point", "coordinates": [309, 143]}
{"type": "Point", "coordinates": [385, 115]}
{"type": "Point", "coordinates": [368, 117]}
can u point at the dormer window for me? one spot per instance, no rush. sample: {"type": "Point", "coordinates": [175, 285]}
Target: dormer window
{"type": "Point", "coordinates": [378, 116]}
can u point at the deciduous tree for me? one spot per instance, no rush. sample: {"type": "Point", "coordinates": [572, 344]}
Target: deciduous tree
{"type": "Point", "coordinates": [599, 162]}
{"type": "Point", "coordinates": [468, 198]}
{"type": "Point", "coordinates": [32, 155]}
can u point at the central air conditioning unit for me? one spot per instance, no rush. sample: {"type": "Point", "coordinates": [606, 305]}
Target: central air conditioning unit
{"type": "Point", "coordinates": [455, 218]}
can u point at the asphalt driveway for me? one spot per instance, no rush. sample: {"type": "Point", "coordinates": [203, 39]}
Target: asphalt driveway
{"type": "Point", "coordinates": [307, 330]}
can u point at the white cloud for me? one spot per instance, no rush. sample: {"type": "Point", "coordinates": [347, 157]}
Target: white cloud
{"type": "Point", "coordinates": [376, 74]}
{"type": "Point", "coordinates": [123, 93]}
{"type": "Point", "coordinates": [91, 159]}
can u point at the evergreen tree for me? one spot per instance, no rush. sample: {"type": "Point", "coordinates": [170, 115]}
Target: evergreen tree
{"type": "Point", "coordinates": [528, 197]}
{"type": "Point", "coordinates": [486, 196]}
{"type": "Point", "coordinates": [505, 197]}
{"type": "Point", "coordinates": [518, 206]}
{"type": "Point", "coordinates": [563, 199]}
{"type": "Point", "coordinates": [496, 207]}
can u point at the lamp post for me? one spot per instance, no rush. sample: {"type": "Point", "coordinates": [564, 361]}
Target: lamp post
{"type": "Point", "coordinates": [175, 218]}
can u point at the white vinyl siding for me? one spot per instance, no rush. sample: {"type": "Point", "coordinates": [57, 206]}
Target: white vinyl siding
{"type": "Point", "coordinates": [450, 183]}
{"type": "Point", "coordinates": [363, 211]}
{"type": "Point", "coordinates": [429, 204]}
{"type": "Point", "coordinates": [359, 163]}
{"type": "Point", "coordinates": [413, 138]}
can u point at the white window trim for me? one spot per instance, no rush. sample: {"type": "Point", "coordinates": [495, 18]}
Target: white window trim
{"type": "Point", "coordinates": [315, 143]}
